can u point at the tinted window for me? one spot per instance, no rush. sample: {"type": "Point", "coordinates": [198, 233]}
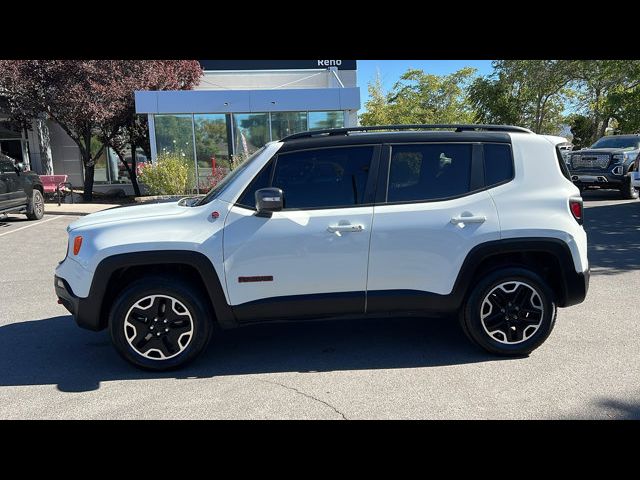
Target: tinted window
{"type": "Point", "coordinates": [629, 143]}
{"type": "Point", "coordinates": [327, 178]}
{"type": "Point", "coordinates": [563, 165]}
{"type": "Point", "coordinates": [498, 164]}
{"type": "Point", "coordinates": [428, 172]}
{"type": "Point", "coordinates": [248, 198]}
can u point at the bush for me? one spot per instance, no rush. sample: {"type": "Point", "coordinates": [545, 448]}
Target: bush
{"type": "Point", "coordinates": [170, 175]}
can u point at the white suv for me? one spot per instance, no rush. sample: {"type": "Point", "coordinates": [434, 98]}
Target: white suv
{"type": "Point", "coordinates": [482, 220]}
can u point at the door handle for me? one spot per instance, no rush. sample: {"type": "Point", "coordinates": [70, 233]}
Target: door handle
{"type": "Point", "coordinates": [474, 219]}
{"type": "Point", "coordinates": [345, 228]}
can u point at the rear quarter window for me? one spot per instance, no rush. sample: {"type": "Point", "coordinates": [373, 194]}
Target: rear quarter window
{"type": "Point", "coordinates": [498, 164]}
{"type": "Point", "coordinates": [563, 166]}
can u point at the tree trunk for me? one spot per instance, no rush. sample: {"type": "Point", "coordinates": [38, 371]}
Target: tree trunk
{"type": "Point", "coordinates": [89, 169]}
{"type": "Point", "coordinates": [133, 173]}
{"type": "Point", "coordinates": [44, 141]}
{"type": "Point", "coordinates": [88, 182]}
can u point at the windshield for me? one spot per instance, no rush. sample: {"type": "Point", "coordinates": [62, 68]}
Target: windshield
{"type": "Point", "coordinates": [215, 191]}
{"type": "Point", "coordinates": [627, 143]}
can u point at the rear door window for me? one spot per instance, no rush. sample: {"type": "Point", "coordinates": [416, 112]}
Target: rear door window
{"type": "Point", "coordinates": [425, 172]}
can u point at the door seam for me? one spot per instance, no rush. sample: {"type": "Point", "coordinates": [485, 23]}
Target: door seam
{"type": "Point", "coordinates": [366, 284]}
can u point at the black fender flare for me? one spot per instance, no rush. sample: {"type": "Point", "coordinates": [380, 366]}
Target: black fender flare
{"type": "Point", "coordinates": [91, 313]}
{"type": "Point", "coordinates": [573, 283]}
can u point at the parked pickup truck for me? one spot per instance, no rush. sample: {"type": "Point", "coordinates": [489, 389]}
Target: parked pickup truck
{"type": "Point", "coordinates": [608, 164]}
{"type": "Point", "coordinates": [20, 190]}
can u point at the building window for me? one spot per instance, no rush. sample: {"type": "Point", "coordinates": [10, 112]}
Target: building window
{"type": "Point", "coordinates": [287, 123]}
{"type": "Point", "coordinates": [212, 145]}
{"type": "Point", "coordinates": [323, 120]}
{"type": "Point", "coordinates": [251, 131]}
{"type": "Point", "coordinates": [174, 134]}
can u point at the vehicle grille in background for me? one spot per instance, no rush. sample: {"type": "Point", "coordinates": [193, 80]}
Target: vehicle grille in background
{"type": "Point", "coordinates": [590, 161]}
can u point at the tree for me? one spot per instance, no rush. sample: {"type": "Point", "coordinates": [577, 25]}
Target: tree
{"type": "Point", "coordinates": [529, 93]}
{"type": "Point", "coordinates": [582, 129]}
{"type": "Point", "coordinates": [89, 98]}
{"type": "Point", "coordinates": [132, 130]}
{"type": "Point", "coordinates": [376, 106]}
{"type": "Point", "coordinates": [420, 97]}
{"type": "Point", "coordinates": [607, 90]}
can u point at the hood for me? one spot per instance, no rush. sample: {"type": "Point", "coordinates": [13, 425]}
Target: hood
{"type": "Point", "coordinates": [600, 151]}
{"type": "Point", "coordinates": [129, 214]}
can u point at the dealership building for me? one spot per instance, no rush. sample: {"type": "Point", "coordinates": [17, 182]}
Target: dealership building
{"type": "Point", "coordinates": [238, 106]}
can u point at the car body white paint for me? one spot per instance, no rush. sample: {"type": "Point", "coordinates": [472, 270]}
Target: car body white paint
{"type": "Point", "coordinates": [406, 246]}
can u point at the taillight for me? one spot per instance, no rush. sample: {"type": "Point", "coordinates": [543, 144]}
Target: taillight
{"type": "Point", "coordinates": [637, 163]}
{"type": "Point", "coordinates": [576, 207]}
{"type": "Point", "coordinates": [77, 244]}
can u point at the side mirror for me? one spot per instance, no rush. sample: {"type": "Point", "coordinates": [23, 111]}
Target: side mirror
{"type": "Point", "coordinates": [269, 200]}
{"type": "Point", "coordinates": [20, 167]}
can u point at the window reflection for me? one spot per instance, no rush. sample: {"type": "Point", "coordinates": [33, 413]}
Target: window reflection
{"type": "Point", "coordinates": [287, 123]}
{"type": "Point", "coordinates": [323, 120]}
{"type": "Point", "coordinates": [251, 132]}
{"type": "Point", "coordinates": [174, 135]}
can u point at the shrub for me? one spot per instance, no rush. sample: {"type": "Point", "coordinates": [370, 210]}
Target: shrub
{"type": "Point", "coordinates": [210, 181]}
{"type": "Point", "coordinates": [170, 175]}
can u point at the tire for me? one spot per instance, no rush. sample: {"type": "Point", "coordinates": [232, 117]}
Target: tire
{"type": "Point", "coordinates": [172, 310]}
{"type": "Point", "coordinates": [35, 208]}
{"type": "Point", "coordinates": [628, 191]}
{"type": "Point", "coordinates": [517, 289]}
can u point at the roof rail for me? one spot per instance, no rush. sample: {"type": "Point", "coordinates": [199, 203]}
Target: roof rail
{"type": "Point", "coordinates": [456, 126]}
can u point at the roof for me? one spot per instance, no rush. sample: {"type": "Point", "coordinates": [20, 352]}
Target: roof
{"type": "Point", "coordinates": [457, 127]}
{"type": "Point", "coordinates": [400, 134]}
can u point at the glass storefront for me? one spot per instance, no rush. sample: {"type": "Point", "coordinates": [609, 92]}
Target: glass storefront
{"type": "Point", "coordinates": [323, 120]}
{"type": "Point", "coordinates": [251, 131]}
{"type": "Point", "coordinates": [212, 145]}
{"type": "Point", "coordinates": [287, 123]}
{"type": "Point", "coordinates": [218, 136]}
{"type": "Point", "coordinates": [174, 134]}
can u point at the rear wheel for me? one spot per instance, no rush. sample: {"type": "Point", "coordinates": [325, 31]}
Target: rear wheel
{"type": "Point", "coordinates": [158, 324]}
{"type": "Point", "coordinates": [35, 208]}
{"type": "Point", "coordinates": [628, 191]}
{"type": "Point", "coordinates": [511, 311]}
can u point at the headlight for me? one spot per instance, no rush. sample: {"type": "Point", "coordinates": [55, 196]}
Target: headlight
{"type": "Point", "coordinates": [618, 158]}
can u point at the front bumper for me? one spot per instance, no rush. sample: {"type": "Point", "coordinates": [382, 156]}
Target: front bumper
{"type": "Point", "coordinates": [84, 311]}
{"type": "Point", "coordinates": [597, 177]}
{"type": "Point", "coordinates": [576, 287]}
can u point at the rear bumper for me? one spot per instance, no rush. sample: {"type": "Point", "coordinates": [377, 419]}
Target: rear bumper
{"type": "Point", "coordinates": [576, 287]}
{"type": "Point", "coordinates": [83, 310]}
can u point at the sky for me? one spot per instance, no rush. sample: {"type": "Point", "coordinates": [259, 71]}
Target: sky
{"type": "Point", "coordinates": [390, 70]}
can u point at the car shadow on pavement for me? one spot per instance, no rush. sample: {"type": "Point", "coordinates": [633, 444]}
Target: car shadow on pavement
{"type": "Point", "coordinates": [624, 410]}
{"type": "Point", "coordinates": [613, 236]}
{"type": "Point", "coordinates": [55, 351]}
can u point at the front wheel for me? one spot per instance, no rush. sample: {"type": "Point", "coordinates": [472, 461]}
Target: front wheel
{"type": "Point", "coordinates": [628, 191]}
{"type": "Point", "coordinates": [157, 324]}
{"type": "Point", "coordinates": [35, 209]}
{"type": "Point", "coordinates": [510, 311]}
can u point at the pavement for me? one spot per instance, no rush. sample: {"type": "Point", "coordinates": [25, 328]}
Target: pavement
{"type": "Point", "coordinates": [358, 369]}
{"type": "Point", "coordinates": [77, 208]}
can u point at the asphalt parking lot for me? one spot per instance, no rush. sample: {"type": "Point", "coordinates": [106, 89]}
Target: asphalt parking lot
{"type": "Point", "coordinates": [365, 369]}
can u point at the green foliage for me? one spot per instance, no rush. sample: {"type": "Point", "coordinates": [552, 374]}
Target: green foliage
{"type": "Point", "coordinates": [582, 129]}
{"type": "Point", "coordinates": [527, 93]}
{"type": "Point", "coordinates": [419, 97]}
{"type": "Point", "coordinates": [211, 139]}
{"type": "Point", "coordinates": [171, 175]}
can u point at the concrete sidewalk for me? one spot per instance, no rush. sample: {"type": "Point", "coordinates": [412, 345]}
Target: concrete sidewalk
{"type": "Point", "coordinates": [77, 208]}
